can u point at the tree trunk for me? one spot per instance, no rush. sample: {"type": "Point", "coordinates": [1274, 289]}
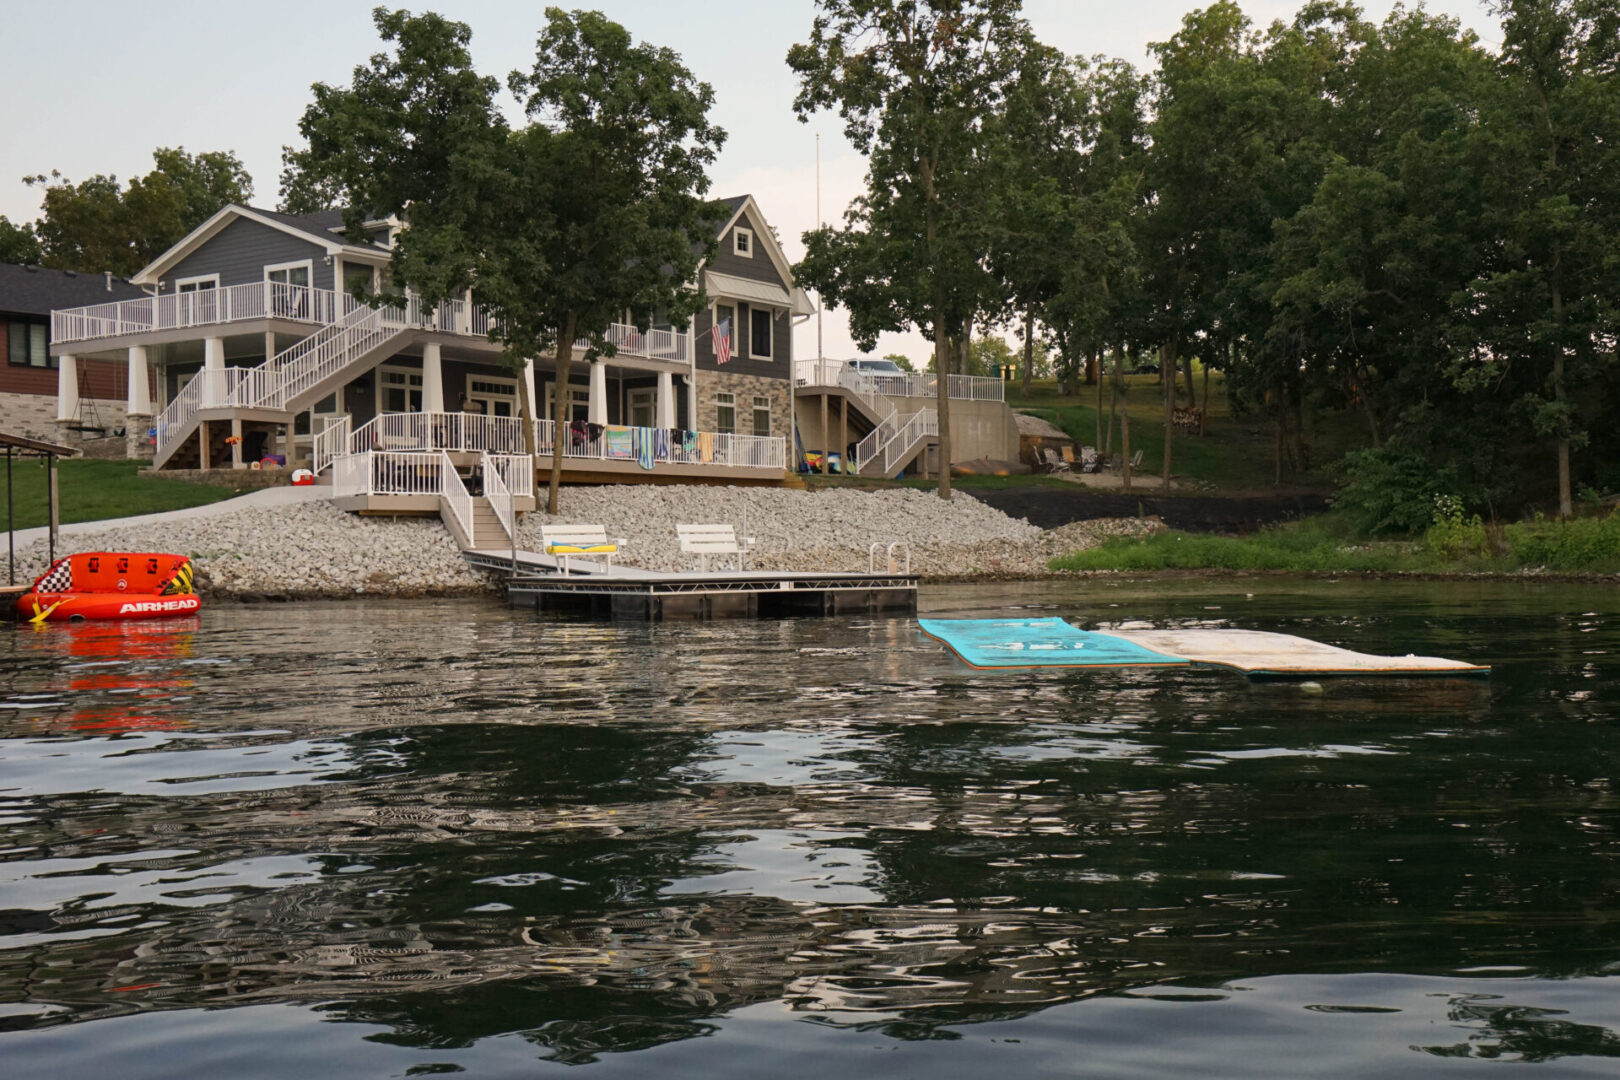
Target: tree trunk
{"type": "Point", "coordinates": [559, 408]}
{"type": "Point", "coordinates": [1203, 413]}
{"type": "Point", "coordinates": [1124, 390]}
{"type": "Point", "coordinates": [1566, 504]}
{"type": "Point", "coordinates": [1167, 362]}
{"type": "Point", "coordinates": [1106, 447]}
{"type": "Point", "coordinates": [1094, 363]}
{"type": "Point", "coordinates": [1029, 348]}
{"type": "Point", "coordinates": [942, 404]}
{"type": "Point", "coordinates": [1192, 396]}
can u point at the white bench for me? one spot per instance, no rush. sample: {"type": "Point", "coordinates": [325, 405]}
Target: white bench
{"type": "Point", "coordinates": [706, 540]}
{"type": "Point", "coordinates": [564, 541]}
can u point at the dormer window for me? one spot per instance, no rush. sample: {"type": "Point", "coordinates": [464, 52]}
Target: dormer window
{"type": "Point", "coordinates": [742, 242]}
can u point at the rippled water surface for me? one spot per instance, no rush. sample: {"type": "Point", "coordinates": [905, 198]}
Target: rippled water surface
{"type": "Point", "coordinates": [398, 839]}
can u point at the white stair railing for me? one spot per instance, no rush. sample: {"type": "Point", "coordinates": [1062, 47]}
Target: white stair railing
{"type": "Point", "coordinates": [331, 443]}
{"type": "Point", "coordinates": [454, 495]}
{"type": "Point", "coordinates": [500, 498]}
{"type": "Point", "coordinates": [923, 423]}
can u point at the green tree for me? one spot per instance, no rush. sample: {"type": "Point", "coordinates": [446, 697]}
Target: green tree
{"type": "Point", "coordinates": [96, 224]}
{"type": "Point", "coordinates": [593, 209]}
{"type": "Point", "coordinates": [18, 244]}
{"type": "Point", "coordinates": [1544, 309]}
{"type": "Point", "coordinates": [913, 81]}
{"type": "Point", "coordinates": [900, 360]}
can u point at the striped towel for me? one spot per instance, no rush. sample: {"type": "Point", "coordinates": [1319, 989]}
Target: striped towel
{"type": "Point", "coordinates": [644, 447]}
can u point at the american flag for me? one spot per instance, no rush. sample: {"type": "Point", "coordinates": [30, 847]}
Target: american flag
{"type": "Point", "coordinates": [722, 342]}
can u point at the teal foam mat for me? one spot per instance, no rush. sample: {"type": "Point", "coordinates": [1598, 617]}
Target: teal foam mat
{"type": "Point", "coordinates": [1014, 643]}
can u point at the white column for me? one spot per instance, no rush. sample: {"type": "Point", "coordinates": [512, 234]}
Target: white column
{"type": "Point", "coordinates": [213, 361]}
{"type": "Point", "coordinates": [597, 413]}
{"type": "Point", "coordinates": [67, 388]}
{"type": "Point", "coordinates": [665, 410]}
{"type": "Point", "coordinates": [138, 394]}
{"type": "Point", "coordinates": [432, 379]}
{"type": "Point", "coordinates": [528, 383]}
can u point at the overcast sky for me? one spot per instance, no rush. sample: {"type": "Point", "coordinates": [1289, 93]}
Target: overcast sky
{"type": "Point", "coordinates": [94, 87]}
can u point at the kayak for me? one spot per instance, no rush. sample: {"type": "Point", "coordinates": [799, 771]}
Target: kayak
{"type": "Point", "coordinates": [112, 585]}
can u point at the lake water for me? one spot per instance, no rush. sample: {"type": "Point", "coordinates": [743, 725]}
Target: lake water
{"type": "Point", "coordinates": [412, 838]}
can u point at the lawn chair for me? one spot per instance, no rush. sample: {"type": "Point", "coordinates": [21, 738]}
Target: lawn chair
{"type": "Point", "coordinates": [1136, 462]}
{"type": "Point", "coordinates": [1053, 462]}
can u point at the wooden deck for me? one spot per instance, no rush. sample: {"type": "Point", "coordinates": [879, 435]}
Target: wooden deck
{"type": "Point", "coordinates": [624, 592]}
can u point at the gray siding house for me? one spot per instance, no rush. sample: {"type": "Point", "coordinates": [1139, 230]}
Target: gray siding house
{"type": "Point", "coordinates": [254, 349]}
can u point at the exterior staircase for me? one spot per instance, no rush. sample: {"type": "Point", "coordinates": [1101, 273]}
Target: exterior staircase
{"type": "Point", "coordinates": [893, 443]}
{"type": "Point", "coordinates": [283, 385]}
{"type": "Point", "coordinates": [487, 530]}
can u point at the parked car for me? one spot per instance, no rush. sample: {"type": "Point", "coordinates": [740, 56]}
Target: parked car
{"type": "Point", "coordinates": [876, 367]}
{"type": "Point", "coordinates": [1145, 369]}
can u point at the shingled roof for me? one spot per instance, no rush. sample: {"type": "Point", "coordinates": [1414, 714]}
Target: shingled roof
{"type": "Point", "coordinates": [34, 290]}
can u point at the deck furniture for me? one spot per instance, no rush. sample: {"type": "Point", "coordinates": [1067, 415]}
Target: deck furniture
{"type": "Point", "coordinates": [706, 540]}
{"type": "Point", "coordinates": [1136, 462]}
{"type": "Point", "coordinates": [1053, 462]}
{"type": "Point", "coordinates": [564, 541]}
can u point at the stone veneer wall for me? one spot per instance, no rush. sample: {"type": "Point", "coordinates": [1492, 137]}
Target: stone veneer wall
{"type": "Point", "coordinates": [746, 388]}
{"type": "Point", "coordinates": [34, 416]}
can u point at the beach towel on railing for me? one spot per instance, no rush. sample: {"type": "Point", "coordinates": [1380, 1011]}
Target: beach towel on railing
{"type": "Point", "coordinates": [660, 442]}
{"type": "Point", "coordinates": [644, 447]}
{"type": "Point", "coordinates": [706, 446]}
{"type": "Point", "coordinates": [689, 445]}
{"type": "Point", "coordinates": [619, 443]}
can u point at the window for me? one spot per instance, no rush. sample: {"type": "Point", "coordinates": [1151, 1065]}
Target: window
{"type": "Point", "coordinates": [641, 407]}
{"type": "Point", "coordinates": [742, 242]}
{"type": "Point", "coordinates": [289, 289]}
{"type": "Point", "coordinates": [28, 346]}
{"type": "Point", "coordinates": [725, 414]}
{"type": "Point", "coordinates": [356, 278]}
{"type": "Point", "coordinates": [759, 338]}
{"type": "Point", "coordinates": [762, 416]}
{"type": "Point", "coordinates": [726, 313]}
{"type": "Point", "coordinates": [400, 389]}
{"type": "Point", "coordinates": [196, 284]}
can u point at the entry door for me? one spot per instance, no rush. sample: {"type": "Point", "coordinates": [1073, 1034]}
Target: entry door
{"type": "Point", "coordinates": [491, 397]}
{"type": "Point", "coordinates": [641, 407]}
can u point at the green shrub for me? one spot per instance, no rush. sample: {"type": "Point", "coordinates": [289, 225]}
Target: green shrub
{"type": "Point", "coordinates": [1386, 490]}
{"type": "Point", "coordinates": [1583, 544]}
{"type": "Point", "coordinates": [1454, 537]}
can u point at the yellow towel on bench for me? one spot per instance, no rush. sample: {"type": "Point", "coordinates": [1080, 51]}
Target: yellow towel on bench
{"type": "Point", "coordinates": [581, 549]}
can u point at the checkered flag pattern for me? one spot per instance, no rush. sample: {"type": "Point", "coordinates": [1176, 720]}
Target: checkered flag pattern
{"type": "Point", "coordinates": [59, 578]}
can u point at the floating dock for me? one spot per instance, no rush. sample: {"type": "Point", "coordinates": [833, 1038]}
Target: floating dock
{"type": "Point", "coordinates": [1055, 643]}
{"type": "Point", "coordinates": [622, 592]}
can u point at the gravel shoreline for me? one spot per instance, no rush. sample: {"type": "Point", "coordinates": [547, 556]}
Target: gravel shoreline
{"type": "Point", "coordinates": [313, 550]}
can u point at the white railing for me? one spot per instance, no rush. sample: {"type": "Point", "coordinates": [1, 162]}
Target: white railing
{"type": "Point", "coordinates": [653, 344]}
{"type": "Point", "coordinates": [904, 384]}
{"type": "Point", "coordinates": [922, 424]}
{"type": "Point", "coordinates": [209, 388]}
{"type": "Point", "coordinates": [977, 388]}
{"type": "Point", "coordinates": [454, 494]}
{"type": "Point", "coordinates": [500, 498]}
{"type": "Point", "coordinates": [384, 473]}
{"type": "Point", "coordinates": [698, 448]}
{"type": "Point", "coordinates": [303, 367]}
{"type": "Point", "coordinates": [456, 432]}
{"type": "Point", "coordinates": [517, 472]}
{"type": "Point", "coordinates": [331, 442]}
{"type": "Point", "coordinates": [255, 300]}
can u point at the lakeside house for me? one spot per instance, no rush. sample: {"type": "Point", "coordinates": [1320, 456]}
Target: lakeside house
{"type": "Point", "coordinates": [244, 342]}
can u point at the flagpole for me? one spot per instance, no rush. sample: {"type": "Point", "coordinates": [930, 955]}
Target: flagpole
{"type": "Point", "coordinates": [820, 355]}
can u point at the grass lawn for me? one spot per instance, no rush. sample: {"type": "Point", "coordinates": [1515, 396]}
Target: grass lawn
{"type": "Point", "coordinates": [94, 490]}
{"type": "Point", "coordinates": [1236, 454]}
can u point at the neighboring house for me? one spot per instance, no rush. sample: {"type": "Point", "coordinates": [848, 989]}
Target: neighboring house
{"type": "Point", "coordinates": [31, 398]}
{"type": "Point", "coordinates": [255, 346]}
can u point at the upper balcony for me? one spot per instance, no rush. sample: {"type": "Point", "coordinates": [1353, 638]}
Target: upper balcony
{"type": "Point", "coordinates": [809, 374]}
{"type": "Point", "coordinates": [259, 301]}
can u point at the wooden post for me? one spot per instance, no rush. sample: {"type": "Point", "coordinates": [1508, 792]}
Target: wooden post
{"type": "Point", "coordinates": [202, 444]}
{"type": "Point", "coordinates": [826, 431]}
{"type": "Point", "coordinates": [236, 447]}
{"type": "Point", "coordinates": [843, 436]}
{"type": "Point", "coordinates": [50, 470]}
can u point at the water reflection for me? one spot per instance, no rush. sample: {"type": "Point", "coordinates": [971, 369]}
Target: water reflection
{"type": "Point", "coordinates": [455, 825]}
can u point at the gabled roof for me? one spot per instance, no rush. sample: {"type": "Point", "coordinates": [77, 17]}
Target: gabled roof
{"type": "Point", "coordinates": [34, 290]}
{"type": "Point", "coordinates": [762, 231]}
{"type": "Point", "coordinates": [324, 229]}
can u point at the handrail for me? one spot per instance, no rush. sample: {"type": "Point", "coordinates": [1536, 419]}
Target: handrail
{"type": "Point", "coordinates": [456, 432]}
{"type": "Point", "coordinates": [871, 556]}
{"type": "Point", "coordinates": [500, 498]}
{"type": "Point", "coordinates": [331, 442]}
{"type": "Point", "coordinates": [923, 423]}
{"type": "Point", "coordinates": [703, 448]}
{"type": "Point", "coordinates": [455, 496]}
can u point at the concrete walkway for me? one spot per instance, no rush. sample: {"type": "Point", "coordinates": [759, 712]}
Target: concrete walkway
{"type": "Point", "coordinates": [272, 496]}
